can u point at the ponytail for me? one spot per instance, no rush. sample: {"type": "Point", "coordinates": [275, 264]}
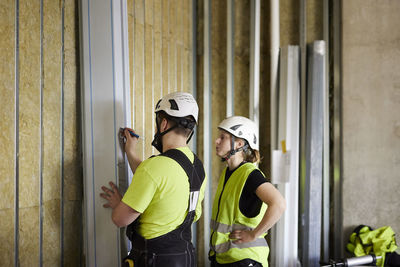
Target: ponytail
{"type": "Point", "coordinates": [252, 155]}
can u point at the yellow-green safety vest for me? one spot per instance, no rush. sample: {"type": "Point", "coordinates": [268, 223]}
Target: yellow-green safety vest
{"type": "Point", "coordinates": [364, 241]}
{"type": "Point", "coordinates": [227, 217]}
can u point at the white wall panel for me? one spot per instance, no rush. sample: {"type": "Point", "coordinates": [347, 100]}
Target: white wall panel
{"type": "Point", "coordinates": [286, 175]}
{"type": "Point", "coordinates": [105, 92]}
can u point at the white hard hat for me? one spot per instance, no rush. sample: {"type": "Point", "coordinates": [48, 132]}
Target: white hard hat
{"type": "Point", "coordinates": [241, 127]}
{"type": "Point", "coordinates": [178, 104]}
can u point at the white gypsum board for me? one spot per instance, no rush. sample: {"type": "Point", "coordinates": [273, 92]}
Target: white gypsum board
{"type": "Point", "coordinates": [285, 236]}
{"type": "Point", "coordinates": [104, 92]}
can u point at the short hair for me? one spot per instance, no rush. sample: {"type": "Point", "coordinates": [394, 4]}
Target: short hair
{"type": "Point", "coordinates": [180, 122]}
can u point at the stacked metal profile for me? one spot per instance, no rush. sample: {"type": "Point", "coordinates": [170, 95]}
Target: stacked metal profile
{"type": "Point", "coordinates": [311, 189]}
{"type": "Point", "coordinates": [284, 234]}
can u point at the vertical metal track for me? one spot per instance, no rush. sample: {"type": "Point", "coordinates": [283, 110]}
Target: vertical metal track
{"type": "Point", "coordinates": [127, 116]}
{"type": "Point", "coordinates": [182, 50]}
{"type": "Point", "coordinates": [274, 64]}
{"type": "Point", "coordinates": [116, 177]}
{"type": "Point", "coordinates": [133, 72]}
{"type": "Point", "coordinates": [152, 80]}
{"type": "Point", "coordinates": [175, 87]}
{"type": "Point", "coordinates": [194, 90]}
{"type": "Point", "coordinates": [194, 63]}
{"type": "Point", "coordinates": [91, 142]}
{"type": "Point", "coordinates": [41, 141]}
{"type": "Point", "coordinates": [84, 232]}
{"type": "Point", "coordinates": [62, 52]}
{"type": "Point", "coordinates": [337, 132]}
{"type": "Point", "coordinates": [275, 43]}
{"type": "Point", "coordinates": [207, 122]}
{"type": "Point", "coordinates": [113, 90]}
{"type": "Point", "coordinates": [125, 62]}
{"type": "Point", "coordinates": [16, 132]}
{"type": "Point", "coordinates": [314, 155]}
{"type": "Point", "coordinates": [230, 54]}
{"type": "Point", "coordinates": [303, 126]}
{"type": "Point", "coordinates": [326, 157]}
{"type": "Point", "coordinates": [144, 76]}
{"type": "Point", "coordinates": [254, 111]}
{"type": "Point", "coordinates": [168, 42]}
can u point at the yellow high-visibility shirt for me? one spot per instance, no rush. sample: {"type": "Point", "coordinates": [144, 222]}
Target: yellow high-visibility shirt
{"type": "Point", "coordinates": [160, 192]}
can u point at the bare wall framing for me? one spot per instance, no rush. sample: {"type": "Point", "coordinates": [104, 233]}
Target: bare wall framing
{"type": "Point", "coordinates": [160, 59]}
{"type": "Point", "coordinates": [134, 52]}
{"type": "Point", "coordinates": [218, 80]}
{"type": "Point", "coordinates": [40, 167]}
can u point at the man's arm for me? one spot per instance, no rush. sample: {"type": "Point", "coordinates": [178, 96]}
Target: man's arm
{"type": "Point", "coordinates": [130, 147]}
{"type": "Point", "coordinates": [122, 214]}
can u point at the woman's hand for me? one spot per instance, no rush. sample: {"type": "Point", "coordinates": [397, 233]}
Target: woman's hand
{"type": "Point", "coordinates": [242, 236]}
{"type": "Point", "coordinates": [112, 196]}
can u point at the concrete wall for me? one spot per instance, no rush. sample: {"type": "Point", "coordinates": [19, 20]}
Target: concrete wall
{"type": "Point", "coordinates": [40, 167]}
{"type": "Point", "coordinates": [371, 114]}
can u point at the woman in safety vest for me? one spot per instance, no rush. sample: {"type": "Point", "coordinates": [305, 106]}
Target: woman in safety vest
{"type": "Point", "coordinates": [245, 206]}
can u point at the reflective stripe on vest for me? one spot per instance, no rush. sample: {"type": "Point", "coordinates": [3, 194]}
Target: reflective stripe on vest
{"type": "Point", "coordinates": [224, 247]}
{"type": "Point", "coordinates": [224, 228]}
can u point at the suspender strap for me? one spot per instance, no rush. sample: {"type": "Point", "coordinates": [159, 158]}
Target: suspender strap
{"type": "Point", "coordinates": [194, 171]}
{"type": "Point", "coordinates": [174, 248]}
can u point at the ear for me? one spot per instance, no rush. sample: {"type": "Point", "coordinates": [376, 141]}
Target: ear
{"type": "Point", "coordinates": [239, 142]}
{"type": "Point", "coordinates": [163, 125]}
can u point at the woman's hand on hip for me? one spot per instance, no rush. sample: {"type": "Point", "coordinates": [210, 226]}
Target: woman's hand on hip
{"type": "Point", "coordinates": [242, 236]}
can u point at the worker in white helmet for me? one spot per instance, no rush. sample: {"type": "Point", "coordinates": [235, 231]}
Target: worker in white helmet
{"type": "Point", "coordinates": [166, 190]}
{"type": "Point", "coordinates": [246, 205]}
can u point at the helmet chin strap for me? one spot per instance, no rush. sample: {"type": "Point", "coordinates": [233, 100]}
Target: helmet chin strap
{"type": "Point", "coordinates": [190, 137]}
{"type": "Point", "coordinates": [233, 151]}
{"type": "Point", "coordinates": [157, 141]}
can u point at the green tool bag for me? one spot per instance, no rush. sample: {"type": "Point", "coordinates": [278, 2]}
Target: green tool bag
{"type": "Point", "coordinates": [364, 241]}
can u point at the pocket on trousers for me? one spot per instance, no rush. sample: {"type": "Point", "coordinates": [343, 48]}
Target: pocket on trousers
{"type": "Point", "coordinates": [248, 262]}
{"type": "Point", "coordinates": [171, 260]}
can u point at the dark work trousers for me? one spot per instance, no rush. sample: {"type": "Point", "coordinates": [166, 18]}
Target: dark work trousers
{"type": "Point", "coordinates": [242, 263]}
{"type": "Point", "coordinates": [173, 249]}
